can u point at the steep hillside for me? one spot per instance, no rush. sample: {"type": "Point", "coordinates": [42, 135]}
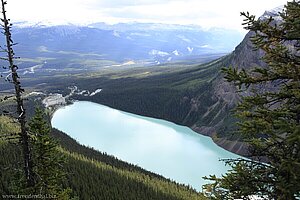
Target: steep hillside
{"type": "Point", "coordinates": [93, 175]}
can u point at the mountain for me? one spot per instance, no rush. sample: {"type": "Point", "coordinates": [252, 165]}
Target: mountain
{"type": "Point", "coordinates": [121, 42]}
{"type": "Point", "coordinates": [197, 97]}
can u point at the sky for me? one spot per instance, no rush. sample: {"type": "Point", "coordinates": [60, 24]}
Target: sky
{"type": "Point", "coordinates": [206, 13]}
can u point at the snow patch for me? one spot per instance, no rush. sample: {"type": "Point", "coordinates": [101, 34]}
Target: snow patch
{"type": "Point", "coordinates": [158, 53]}
{"type": "Point", "coordinates": [190, 49]}
{"type": "Point", "coordinates": [274, 13]}
{"type": "Point", "coordinates": [95, 92]}
{"type": "Point", "coordinates": [42, 24]}
{"type": "Point", "coordinates": [32, 69]}
{"type": "Point", "coordinates": [277, 9]}
{"type": "Point", "coordinates": [176, 53]}
{"type": "Point", "coordinates": [77, 91]}
{"type": "Point", "coordinates": [83, 92]}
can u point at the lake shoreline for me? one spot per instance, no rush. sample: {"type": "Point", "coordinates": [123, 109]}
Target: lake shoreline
{"type": "Point", "coordinates": [168, 138]}
{"type": "Point", "coordinates": [235, 147]}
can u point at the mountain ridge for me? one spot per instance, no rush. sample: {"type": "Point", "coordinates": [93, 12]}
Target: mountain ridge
{"type": "Point", "coordinates": [138, 38]}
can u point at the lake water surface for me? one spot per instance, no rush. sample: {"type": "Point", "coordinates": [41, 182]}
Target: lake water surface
{"type": "Point", "coordinates": [176, 152]}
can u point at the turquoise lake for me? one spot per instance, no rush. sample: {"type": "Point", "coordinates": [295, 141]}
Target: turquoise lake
{"type": "Point", "coordinates": [174, 151]}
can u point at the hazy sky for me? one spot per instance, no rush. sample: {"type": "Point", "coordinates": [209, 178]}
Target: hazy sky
{"type": "Point", "coordinates": [207, 13]}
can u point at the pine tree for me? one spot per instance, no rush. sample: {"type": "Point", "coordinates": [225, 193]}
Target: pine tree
{"type": "Point", "coordinates": [24, 137]}
{"type": "Point", "coordinates": [49, 161]}
{"type": "Point", "coordinates": [269, 114]}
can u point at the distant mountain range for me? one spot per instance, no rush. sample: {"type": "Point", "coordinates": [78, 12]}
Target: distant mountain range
{"type": "Point", "coordinates": [197, 97]}
{"type": "Point", "coordinates": [157, 43]}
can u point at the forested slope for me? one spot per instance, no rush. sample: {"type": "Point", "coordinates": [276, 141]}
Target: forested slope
{"type": "Point", "coordinates": [93, 175]}
{"type": "Point", "coordinates": [192, 97]}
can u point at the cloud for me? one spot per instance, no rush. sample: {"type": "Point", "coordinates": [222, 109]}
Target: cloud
{"type": "Point", "coordinates": [206, 13]}
{"type": "Point", "coordinates": [118, 3]}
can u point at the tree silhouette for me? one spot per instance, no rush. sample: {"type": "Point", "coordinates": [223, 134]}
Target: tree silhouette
{"type": "Point", "coordinates": [14, 79]}
{"type": "Point", "coordinates": [49, 161]}
{"type": "Point", "coordinates": [269, 114]}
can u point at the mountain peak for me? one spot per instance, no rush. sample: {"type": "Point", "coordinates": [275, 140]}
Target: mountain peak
{"type": "Point", "coordinates": [40, 24]}
{"type": "Point", "coordinates": [274, 13]}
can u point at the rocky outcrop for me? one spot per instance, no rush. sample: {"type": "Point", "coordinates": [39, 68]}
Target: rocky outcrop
{"type": "Point", "coordinates": [225, 94]}
{"type": "Point", "coordinates": [245, 56]}
{"type": "Point", "coordinates": [232, 146]}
